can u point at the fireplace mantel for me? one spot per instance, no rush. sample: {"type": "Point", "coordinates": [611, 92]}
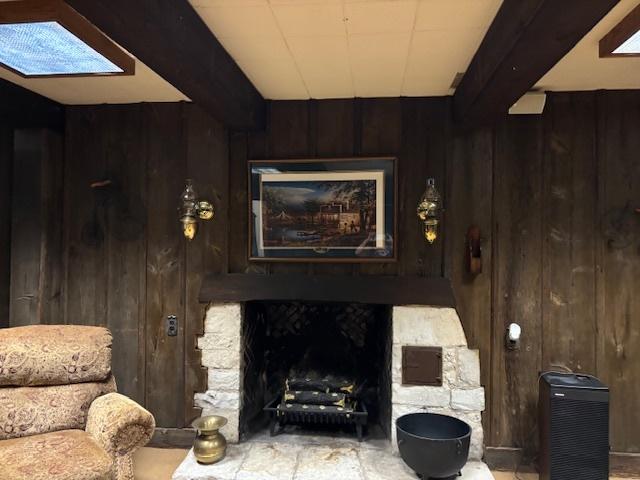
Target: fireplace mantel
{"type": "Point", "coordinates": [389, 290]}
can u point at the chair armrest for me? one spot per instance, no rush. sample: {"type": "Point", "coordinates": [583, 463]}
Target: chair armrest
{"type": "Point", "coordinates": [119, 424]}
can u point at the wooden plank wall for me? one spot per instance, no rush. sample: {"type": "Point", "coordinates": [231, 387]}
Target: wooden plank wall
{"type": "Point", "coordinates": [6, 178]}
{"type": "Point", "coordinates": [36, 229]}
{"type": "Point", "coordinates": [123, 262]}
{"type": "Point", "coordinates": [415, 130]}
{"type": "Point", "coordinates": [538, 187]}
{"type": "Point", "coordinates": [534, 185]}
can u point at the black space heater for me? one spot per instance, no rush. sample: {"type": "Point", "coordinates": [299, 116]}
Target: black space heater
{"type": "Point", "coordinates": [574, 427]}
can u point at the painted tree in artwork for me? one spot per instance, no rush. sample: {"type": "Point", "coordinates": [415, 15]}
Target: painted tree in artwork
{"type": "Point", "coordinates": [360, 193]}
{"type": "Point", "coordinates": [273, 201]}
{"type": "Point", "coordinates": [312, 207]}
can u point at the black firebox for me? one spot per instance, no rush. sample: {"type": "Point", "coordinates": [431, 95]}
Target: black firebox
{"type": "Point", "coordinates": [574, 427]}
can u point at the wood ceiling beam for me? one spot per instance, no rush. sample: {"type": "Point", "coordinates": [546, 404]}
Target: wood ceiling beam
{"type": "Point", "coordinates": [526, 39]}
{"type": "Point", "coordinates": [22, 108]}
{"type": "Point", "coordinates": [171, 39]}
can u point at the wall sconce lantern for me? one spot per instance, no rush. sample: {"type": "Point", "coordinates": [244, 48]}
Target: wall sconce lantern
{"type": "Point", "coordinates": [191, 210]}
{"type": "Point", "coordinates": [429, 210]}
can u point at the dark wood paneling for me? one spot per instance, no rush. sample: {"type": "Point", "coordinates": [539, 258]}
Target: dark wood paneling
{"type": "Point", "coordinates": [470, 203]}
{"type": "Point", "coordinates": [334, 136]}
{"type": "Point", "coordinates": [238, 208]}
{"type": "Point", "coordinates": [22, 108]}
{"type": "Point", "coordinates": [538, 187]}
{"type": "Point", "coordinates": [36, 228]}
{"type": "Point", "coordinates": [517, 243]}
{"type": "Point", "coordinates": [86, 293]}
{"type": "Point", "coordinates": [141, 271]}
{"type": "Point", "coordinates": [105, 233]}
{"type": "Point", "coordinates": [207, 161]}
{"type": "Point", "coordinates": [125, 244]}
{"type": "Point", "coordinates": [165, 264]}
{"type": "Point", "coordinates": [568, 256]}
{"type": "Point", "coordinates": [414, 130]}
{"type": "Point", "coordinates": [380, 133]}
{"type": "Point", "coordinates": [289, 136]}
{"type": "Point", "coordinates": [618, 347]}
{"type": "Point", "coordinates": [6, 178]}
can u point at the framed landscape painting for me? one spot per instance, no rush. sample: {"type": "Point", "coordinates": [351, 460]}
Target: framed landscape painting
{"type": "Point", "coordinates": [333, 210]}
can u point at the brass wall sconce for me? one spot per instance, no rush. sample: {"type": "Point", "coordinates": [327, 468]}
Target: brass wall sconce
{"type": "Point", "coordinates": [429, 210]}
{"type": "Point", "coordinates": [193, 209]}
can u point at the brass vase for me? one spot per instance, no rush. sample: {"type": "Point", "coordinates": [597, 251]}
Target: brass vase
{"type": "Point", "coordinates": [210, 446]}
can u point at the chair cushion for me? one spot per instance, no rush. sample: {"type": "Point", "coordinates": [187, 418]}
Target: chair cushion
{"type": "Point", "coordinates": [65, 455]}
{"type": "Point", "coordinates": [33, 410]}
{"type": "Point", "coordinates": [54, 355]}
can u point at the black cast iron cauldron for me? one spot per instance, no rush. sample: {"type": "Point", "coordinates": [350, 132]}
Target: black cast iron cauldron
{"type": "Point", "coordinates": [434, 446]}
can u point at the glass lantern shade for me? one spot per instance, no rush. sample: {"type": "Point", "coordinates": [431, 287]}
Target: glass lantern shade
{"type": "Point", "coordinates": [429, 211]}
{"type": "Point", "coordinates": [191, 210]}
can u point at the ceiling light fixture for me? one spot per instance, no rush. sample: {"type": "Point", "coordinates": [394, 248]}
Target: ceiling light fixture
{"type": "Point", "coordinates": [624, 39]}
{"type": "Point", "coordinates": [46, 38]}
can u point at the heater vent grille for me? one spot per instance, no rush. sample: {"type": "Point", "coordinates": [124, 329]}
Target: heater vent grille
{"type": "Point", "coordinates": [579, 439]}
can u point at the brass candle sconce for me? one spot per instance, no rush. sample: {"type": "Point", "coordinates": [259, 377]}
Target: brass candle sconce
{"type": "Point", "coordinates": [192, 210]}
{"type": "Point", "coordinates": [429, 210]}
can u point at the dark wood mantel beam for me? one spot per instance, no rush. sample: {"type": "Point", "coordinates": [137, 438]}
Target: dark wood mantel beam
{"type": "Point", "coordinates": [526, 39]}
{"type": "Point", "coordinates": [387, 290]}
{"type": "Point", "coordinates": [171, 39]}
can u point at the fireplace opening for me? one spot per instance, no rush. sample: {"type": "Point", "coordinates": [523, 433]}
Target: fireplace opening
{"type": "Point", "coordinates": [316, 367]}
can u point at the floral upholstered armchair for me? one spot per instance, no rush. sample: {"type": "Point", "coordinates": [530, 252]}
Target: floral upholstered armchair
{"type": "Point", "coordinates": [60, 418]}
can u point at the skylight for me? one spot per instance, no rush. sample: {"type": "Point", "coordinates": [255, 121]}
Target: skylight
{"type": "Point", "coordinates": [631, 46]}
{"type": "Point", "coordinates": [47, 48]}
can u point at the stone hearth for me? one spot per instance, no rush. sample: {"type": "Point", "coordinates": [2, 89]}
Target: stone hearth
{"type": "Point", "coordinates": [460, 395]}
{"type": "Point", "coordinates": [299, 457]}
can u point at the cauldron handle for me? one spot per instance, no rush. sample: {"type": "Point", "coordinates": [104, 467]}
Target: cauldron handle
{"type": "Point", "coordinates": [459, 447]}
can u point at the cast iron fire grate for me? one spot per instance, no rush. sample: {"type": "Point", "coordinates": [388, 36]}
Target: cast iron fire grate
{"type": "Point", "coordinates": [313, 398]}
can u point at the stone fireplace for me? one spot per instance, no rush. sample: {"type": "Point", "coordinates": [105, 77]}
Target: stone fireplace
{"type": "Point", "coordinates": [240, 380]}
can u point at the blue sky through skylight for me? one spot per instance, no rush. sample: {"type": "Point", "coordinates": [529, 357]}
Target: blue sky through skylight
{"type": "Point", "coordinates": [632, 45]}
{"type": "Point", "coordinates": [47, 48]}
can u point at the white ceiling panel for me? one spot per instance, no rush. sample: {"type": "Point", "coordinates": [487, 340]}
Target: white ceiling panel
{"type": "Point", "coordinates": [240, 20]}
{"type": "Point", "coordinates": [378, 63]}
{"type": "Point", "coordinates": [312, 19]}
{"type": "Point", "coordinates": [324, 65]}
{"type": "Point", "coordinates": [276, 79]}
{"type": "Point", "coordinates": [261, 47]}
{"type": "Point", "coordinates": [380, 17]}
{"type": "Point", "coordinates": [456, 14]}
{"type": "Point", "coordinates": [346, 48]}
{"type": "Point", "coordinates": [432, 68]}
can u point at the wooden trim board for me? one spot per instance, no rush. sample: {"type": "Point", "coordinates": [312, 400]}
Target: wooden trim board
{"type": "Point", "coordinates": [382, 290]}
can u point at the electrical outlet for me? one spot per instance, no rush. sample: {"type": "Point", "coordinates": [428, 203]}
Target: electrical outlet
{"type": "Point", "coordinates": [172, 325]}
